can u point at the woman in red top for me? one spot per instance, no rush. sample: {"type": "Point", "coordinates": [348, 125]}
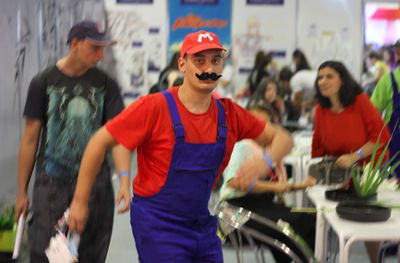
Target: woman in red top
{"type": "Point", "coordinates": [346, 124]}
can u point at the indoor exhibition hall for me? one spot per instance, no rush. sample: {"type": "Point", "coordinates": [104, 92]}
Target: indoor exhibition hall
{"type": "Point", "coordinates": [193, 131]}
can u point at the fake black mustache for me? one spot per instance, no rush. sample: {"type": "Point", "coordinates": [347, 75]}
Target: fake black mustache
{"type": "Point", "coordinates": [205, 76]}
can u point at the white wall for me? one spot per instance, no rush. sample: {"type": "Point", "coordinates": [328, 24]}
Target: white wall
{"type": "Point", "coordinates": [143, 24]}
{"type": "Point", "coordinates": [332, 29]}
{"type": "Point", "coordinates": [261, 27]}
{"type": "Point", "coordinates": [18, 63]}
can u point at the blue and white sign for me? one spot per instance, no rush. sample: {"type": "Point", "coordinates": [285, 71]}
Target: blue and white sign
{"type": "Point", "coordinates": [188, 16]}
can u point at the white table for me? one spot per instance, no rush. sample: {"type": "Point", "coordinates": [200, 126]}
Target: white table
{"type": "Point", "coordinates": [297, 174]}
{"type": "Point", "coordinates": [297, 158]}
{"type": "Point", "coordinates": [351, 231]}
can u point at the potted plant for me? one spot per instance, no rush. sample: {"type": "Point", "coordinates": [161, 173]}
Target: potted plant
{"type": "Point", "coordinates": [367, 180]}
{"type": "Point", "coordinates": [364, 181]}
{"type": "Point", "coordinates": [365, 184]}
{"type": "Point", "coordinates": [8, 229]}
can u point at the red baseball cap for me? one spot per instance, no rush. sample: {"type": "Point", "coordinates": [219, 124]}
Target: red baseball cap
{"type": "Point", "coordinates": [200, 41]}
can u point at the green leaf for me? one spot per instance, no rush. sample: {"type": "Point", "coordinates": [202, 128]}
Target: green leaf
{"type": "Point", "coordinates": [392, 168]}
{"type": "Point", "coordinates": [7, 218]}
{"type": "Point", "coordinates": [371, 180]}
{"type": "Point", "coordinates": [374, 152]}
{"type": "Point", "coordinates": [355, 174]}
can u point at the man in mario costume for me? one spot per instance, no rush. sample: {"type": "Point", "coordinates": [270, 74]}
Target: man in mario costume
{"type": "Point", "coordinates": [184, 139]}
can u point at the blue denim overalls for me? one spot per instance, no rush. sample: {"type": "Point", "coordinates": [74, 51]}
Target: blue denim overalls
{"type": "Point", "coordinates": [174, 225]}
{"type": "Point", "coordinates": [394, 145]}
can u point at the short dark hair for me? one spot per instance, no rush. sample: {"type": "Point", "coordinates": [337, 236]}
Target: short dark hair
{"type": "Point", "coordinates": [373, 54]}
{"type": "Point", "coordinates": [285, 74]}
{"type": "Point", "coordinates": [347, 92]}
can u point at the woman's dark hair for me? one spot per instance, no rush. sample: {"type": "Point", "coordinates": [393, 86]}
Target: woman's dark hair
{"type": "Point", "coordinates": [173, 64]}
{"type": "Point", "coordinates": [258, 95]}
{"type": "Point", "coordinates": [257, 100]}
{"type": "Point", "coordinates": [262, 59]}
{"type": "Point", "coordinates": [258, 58]}
{"type": "Point", "coordinates": [347, 92]}
{"type": "Point", "coordinates": [303, 63]}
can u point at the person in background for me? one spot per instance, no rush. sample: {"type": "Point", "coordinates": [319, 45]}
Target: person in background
{"type": "Point", "coordinates": [300, 60]}
{"type": "Point", "coordinates": [379, 69]}
{"type": "Point", "coordinates": [66, 104]}
{"type": "Point", "coordinates": [169, 74]}
{"type": "Point", "coordinates": [284, 76]}
{"type": "Point", "coordinates": [184, 138]}
{"type": "Point", "coordinates": [386, 98]}
{"type": "Point", "coordinates": [273, 69]}
{"type": "Point", "coordinates": [267, 94]}
{"type": "Point", "coordinates": [285, 92]}
{"type": "Point", "coordinates": [397, 52]}
{"type": "Point", "coordinates": [260, 199]}
{"type": "Point", "coordinates": [346, 124]}
{"type": "Point", "coordinates": [225, 87]}
{"type": "Point", "coordinates": [258, 72]}
{"type": "Point", "coordinates": [389, 57]}
{"type": "Point", "coordinates": [302, 84]}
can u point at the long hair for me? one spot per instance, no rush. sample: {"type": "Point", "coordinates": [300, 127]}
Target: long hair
{"type": "Point", "coordinates": [258, 97]}
{"type": "Point", "coordinates": [262, 59]}
{"type": "Point", "coordinates": [258, 59]}
{"type": "Point", "coordinates": [303, 63]}
{"type": "Point", "coordinates": [347, 92]}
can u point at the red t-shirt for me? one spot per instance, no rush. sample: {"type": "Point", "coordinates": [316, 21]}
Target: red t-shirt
{"type": "Point", "coordinates": [146, 125]}
{"type": "Point", "coordinates": [340, 133]}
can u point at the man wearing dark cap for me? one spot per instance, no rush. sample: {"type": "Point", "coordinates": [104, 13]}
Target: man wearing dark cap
{"type": "Point", "coordinates": [66, 104]}
{"type": "Point", "coordinates": [386, 98]}
{"type": "Point", "coordinates": [184, 138]}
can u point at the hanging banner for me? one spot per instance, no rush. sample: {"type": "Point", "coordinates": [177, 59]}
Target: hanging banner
{"type": "Point", "coordinates": [187, 16]}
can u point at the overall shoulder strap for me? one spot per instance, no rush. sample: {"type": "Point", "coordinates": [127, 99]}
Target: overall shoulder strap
{"type": "Point", "coordinates": [176, 119]}
{"type": "Point", "coordinates": [222, 128]}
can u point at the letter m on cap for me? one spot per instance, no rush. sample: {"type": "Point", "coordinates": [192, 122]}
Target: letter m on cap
{"type": "Point", "coordinates": [206, 35]}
